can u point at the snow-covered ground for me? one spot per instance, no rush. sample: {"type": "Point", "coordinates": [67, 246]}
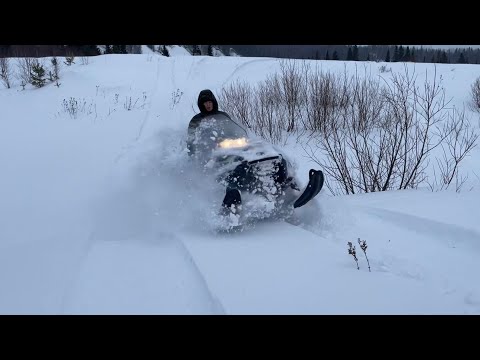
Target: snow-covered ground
{"type": "Point", "coordinates": [101, 213]}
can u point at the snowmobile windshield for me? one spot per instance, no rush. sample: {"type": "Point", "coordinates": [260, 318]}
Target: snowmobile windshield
{"type": "Point", "coordinates": [219, 131]}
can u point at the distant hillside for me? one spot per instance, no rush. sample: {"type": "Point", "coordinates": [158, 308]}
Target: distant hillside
{"type": "Point", "coordinates": [393, 53]}
{"type": "Point", "coordinates": [93, 50]}
{"type": "Point", "coordinates": [388, 53]}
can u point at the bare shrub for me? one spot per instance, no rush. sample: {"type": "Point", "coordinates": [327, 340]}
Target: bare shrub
{"type": "Point", "coordinates": [460, 140]}
{"type": "Point", "coordinates": [292, 90]}
{"type": "Point", "coordinates": [77, 107]}
{"type": "Point", "coordinates": [353, 252]}
{"type": "Point", "coordinates": [237, 99]}
{"type": "Point", "coordinates": [269, 122]}
{"type": "Point", "coordinates": [384, 69]}
{"type": "Point", "coordinates": [475, 96]}
{"type": "Point", "coordinates": [295, 100]}
{"type": "Point", "coordinates": [25, 67]}
{"type": "Point", "coordinates": [69, 59]}
{"type": "Point", "coordinates": [275, 106]}
{"type": "Point", "coordinates": [85, 60]}
{"type": "Point", "coordinates": [326, 94]}
{"type": "Point", "coordinates": [176, 97]}
{"type": "Point", "coordinates": [55, 68]}
{"type": "Point", "coordinates": [368, 134]}
{"type": "Point", "coordinates": [131, 104]}
{"type": "Point", "coordinates": [389, 134]}
{"type": "Point", "coordinates": [364, 246]}
{"type": "Point", "coordinates": [257, 108]}
{"type": "Point", "coordinates": [6, 72]}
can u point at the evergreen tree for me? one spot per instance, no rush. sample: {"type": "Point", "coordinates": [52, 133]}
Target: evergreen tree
{"type": "Point", "coordinates": [396, 54]}
{"type": "Point", "coordinates": [443, 57]}
{"type": "Point", "coordinates": [90, 50]}
{"type": "Point", "coordinates": [349, 54]}
{"type": "Point", "coordinates": [4, 50]}
{"type": "Point", "coordinates": [335, 55]}
{"type": "Point", "coordinates": [165, 51]}
{"type": "Point", "coordinates": [134, 49]}
{"type": "Point", "coordinates": [407, 54]}
{"type": "Point", "coordinates": [461, 59]}
{"type": "Point", "coordinates": [38, 75]}
{"type": "Point", "coordinates": [210, 50]}
{"type": "Point", "coordinates": [119, 49]}
{"type": "Point", "coordinates": [387, 58]}
{"type": "Point", "coordinates": [196, 50]}
{"type": "Point", "coordinates": [327, 56]}
{"type": "Point", "coordinates": [355, 53]}
{"type": "Point", "coordinates": [401, 53]}
{"type": "Point", "coordinates": [116, 49]}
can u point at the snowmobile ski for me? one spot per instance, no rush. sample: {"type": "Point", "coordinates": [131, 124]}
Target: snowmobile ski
{"type": "Point", "coordinates": [314, 186]}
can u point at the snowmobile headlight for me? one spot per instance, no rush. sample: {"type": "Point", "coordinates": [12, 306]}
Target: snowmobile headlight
{"type": "Point", "coordinates": [233, 143]}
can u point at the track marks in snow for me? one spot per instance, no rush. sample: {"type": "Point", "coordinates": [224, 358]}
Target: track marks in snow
{"type": "Point", "coordinates": [453, 236]}
{"type": "Point", "coordinates": [141, 276]}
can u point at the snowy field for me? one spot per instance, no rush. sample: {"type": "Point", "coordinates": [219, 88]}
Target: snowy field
{"type": "Point", "coordinates": [101, 213]}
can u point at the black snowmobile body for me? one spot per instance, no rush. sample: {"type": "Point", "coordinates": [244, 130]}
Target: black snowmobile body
{"type": "Point", "coordinates": [250, 167]}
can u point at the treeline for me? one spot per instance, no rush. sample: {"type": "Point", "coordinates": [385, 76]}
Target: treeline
{"type": "Point", "coordinates": [93, 50]}
{"type": "Point", "coordinates": [390, 53]}
{"type": "Point", "coordinates": [66, 50]}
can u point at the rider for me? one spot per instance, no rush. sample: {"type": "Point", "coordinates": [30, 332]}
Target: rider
{"type": "Point", "coordinates": [208, 105]}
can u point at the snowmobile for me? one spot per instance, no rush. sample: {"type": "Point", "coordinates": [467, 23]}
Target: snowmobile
{"type": "Point", "coordinates": [259, 180]}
